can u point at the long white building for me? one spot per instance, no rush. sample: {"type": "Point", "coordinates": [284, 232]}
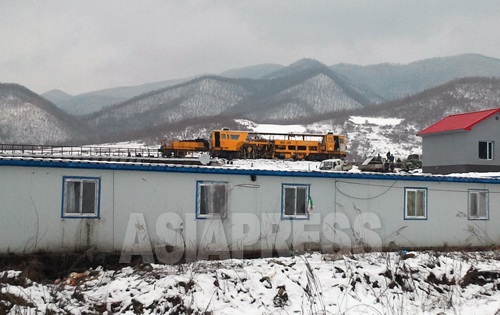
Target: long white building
{"type": "Point", "coordinates": [168, 212]}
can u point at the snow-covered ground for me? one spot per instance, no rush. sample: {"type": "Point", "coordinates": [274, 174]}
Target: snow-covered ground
{"type": "Point", "coordinates": [375, 120]}
{"type": "Point", "coordinates": [368, 283]}
{"type": "Point", "coordinates": [284, 165]}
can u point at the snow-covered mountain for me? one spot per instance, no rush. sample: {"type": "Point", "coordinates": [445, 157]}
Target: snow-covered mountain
{"type": "Point", "coordinates": [298, 92]}
{"type": "Point", "coordinates": [315, 96]}
{"type": "Point", "coordinates": [186, 103]}
{"type": "Point", "coordinates": [26, 118]}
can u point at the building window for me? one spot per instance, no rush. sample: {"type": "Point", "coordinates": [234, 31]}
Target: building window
{"type": "Point", "coordinates": [294, 201]}
{"type": "Point", "coordinates": [81, 197]}
{"type": "Point", "coordinates": [486, 150]}
{"type": "Point", "coordinates": [211, 199]}
{"type": "Point", "coordinates": [415, 203]}
{"type": "Point", "coordinates": [478, 204]}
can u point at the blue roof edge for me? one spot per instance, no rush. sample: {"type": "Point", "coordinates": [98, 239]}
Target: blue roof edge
{"type": "Point", "coordinates": [212, 170]}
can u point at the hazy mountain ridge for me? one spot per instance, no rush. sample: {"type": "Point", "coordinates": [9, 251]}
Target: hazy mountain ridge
{"type": "Point", "coordinates": [251, 72]}
{"type": "Point", "coordinates": [57, 97]}
{"type": "Point", "coordinates": [86, 103]}
{"type": "Point", "coordinates": [458, 96]}
{"type": "Point", "coordinates": [394, 81]}
{"type": "Point", "coordinates": [298, 66]}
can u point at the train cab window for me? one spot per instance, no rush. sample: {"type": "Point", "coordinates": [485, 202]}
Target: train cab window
{"type": "Point", "coordinates": [234, 137]}
{"type": "Point", "coordinates": [294, 202]}
{"type": "Point", "coordinates": [342, 144]}
{"type": "Point", "coordinates": [211, 199]}
{"type": "Point", "coordinates": [301, 147]}
{"type": "Point", "coordinates": [313, 148]}
{"type": "Point", "coordinates": [280, 147]}
{"type": "Point", "coordinates": [223, 136]}
{"type": "Point", "coordinates": [291, 147]}
{"type": "Point", "coordinates": [81, 197]}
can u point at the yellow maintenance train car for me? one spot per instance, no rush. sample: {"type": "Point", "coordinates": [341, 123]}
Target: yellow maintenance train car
{"type": "Point", "coordinates": [180, 149]}
{"type": "Point", "coordinates": [247, 144]}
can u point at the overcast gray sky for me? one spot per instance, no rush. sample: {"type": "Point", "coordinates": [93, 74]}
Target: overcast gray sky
{"type": "Point", "coordinates": [81, 46]}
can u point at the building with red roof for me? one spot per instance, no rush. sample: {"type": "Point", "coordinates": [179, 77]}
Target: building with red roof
{"type": "Point", "coordinates": [462, 143]}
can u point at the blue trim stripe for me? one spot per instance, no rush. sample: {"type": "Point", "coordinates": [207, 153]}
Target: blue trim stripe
{"type": "Point", "coordinates": [225, 171]}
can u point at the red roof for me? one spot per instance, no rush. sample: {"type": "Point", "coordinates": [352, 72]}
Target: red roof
{"type": "Point", "coordinates": [459, 122]}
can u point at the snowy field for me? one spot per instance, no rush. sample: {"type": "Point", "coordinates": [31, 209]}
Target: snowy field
{"type": "Point", "coordinates": [368, 283]}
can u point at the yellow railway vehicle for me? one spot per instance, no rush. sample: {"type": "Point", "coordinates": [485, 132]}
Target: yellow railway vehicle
{"type": "Point", "coordinates": [230, 144]}
{"type": "Point", "coordinates": [245, 144]}
{"type": "Point", "coordinates": [182, 148]}
{"type": "Point", "coordinates": [329, 146]}
{"type": "Point", "coordinates": [240, 144]}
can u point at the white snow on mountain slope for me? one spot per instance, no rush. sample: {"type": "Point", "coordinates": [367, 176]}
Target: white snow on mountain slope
{"type": "Point", "coordinates": [43, 127]}
{"type": "Point", "coordinates": [270, 128]}
{"type": "Point", "coordinates": [375, 120]}
{"type": "Point", "coordinates": [206, 97]}
{"type": "Point", "coordinates": [323, 93]}
{"type": "Point", "coordinates": [366, 134]}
